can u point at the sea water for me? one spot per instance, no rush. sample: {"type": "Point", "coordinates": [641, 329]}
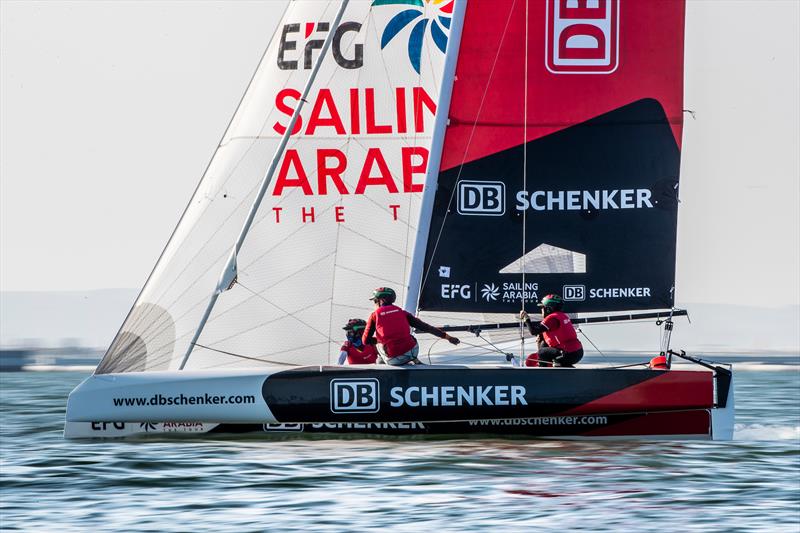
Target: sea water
{"type": "Point", "coordinates": [251, 483]}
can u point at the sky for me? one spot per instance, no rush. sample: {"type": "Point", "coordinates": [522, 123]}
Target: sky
{"type": "Point", "coordinates": [110, 111]}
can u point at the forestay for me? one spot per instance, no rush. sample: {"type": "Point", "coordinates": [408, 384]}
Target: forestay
{"type": "Point", "coordinates": [341, 214]}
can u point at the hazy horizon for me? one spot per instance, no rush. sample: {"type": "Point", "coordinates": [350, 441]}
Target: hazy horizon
{"type": "Point", "coordinates": [93, 317]}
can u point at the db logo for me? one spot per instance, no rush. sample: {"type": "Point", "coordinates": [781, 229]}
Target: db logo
{"type": "Point", "coordinates": [487, 198]}
{"type": "Point", "coordinates": [574, 293]}
{"type": "Point", "coordinates": [283, 427]}
{"type": "Point", "coordinates": [355, 395]}
{"type": "Point", "coordinates": [582, 36]}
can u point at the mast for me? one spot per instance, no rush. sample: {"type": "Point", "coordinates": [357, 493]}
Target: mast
{"type": "Point", "coordinates": [431, 179]}
{"type": "Point", "coordinates": [228, 276]}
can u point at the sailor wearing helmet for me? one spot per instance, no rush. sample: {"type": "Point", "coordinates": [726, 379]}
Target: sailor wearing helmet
{"type": "Point", "coordinates": [354, 351]}
{"type": "Point", "coordinates": [560, 345]}
{"type": "Point", "coordinates": [392, 325]}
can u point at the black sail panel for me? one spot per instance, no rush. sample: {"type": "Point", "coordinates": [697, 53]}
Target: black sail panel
{"type": "Point", "coordinates": [601, 213]}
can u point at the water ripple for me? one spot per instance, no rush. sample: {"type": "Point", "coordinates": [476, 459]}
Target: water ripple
{"type": "Point", "coordinates": [241, 483]}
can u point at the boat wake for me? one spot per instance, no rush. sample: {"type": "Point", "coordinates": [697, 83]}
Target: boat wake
{"type": "Point", "coordinates": [761, 432]}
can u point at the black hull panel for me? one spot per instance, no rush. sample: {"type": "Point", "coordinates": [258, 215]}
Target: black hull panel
{"type": "Point", "coordinates": [340, 394]}
{"type": "Point", "coordinates": [680, 423]}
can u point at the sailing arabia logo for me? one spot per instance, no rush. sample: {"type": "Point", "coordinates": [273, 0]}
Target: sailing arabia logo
{"type": "Point", "coordinates": [490, 292]}
{"type": "Point", "coordinates": [436, 12]}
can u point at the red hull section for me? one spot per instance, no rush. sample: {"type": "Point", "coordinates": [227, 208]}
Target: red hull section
{"type": "Point", "coordinates": [673, 390]}
{"type": "Point", "coordinates": [685, 423]}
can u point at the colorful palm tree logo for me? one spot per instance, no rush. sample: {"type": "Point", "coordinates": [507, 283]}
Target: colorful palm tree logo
{"type": "Point", "coordinates": [436, 12]}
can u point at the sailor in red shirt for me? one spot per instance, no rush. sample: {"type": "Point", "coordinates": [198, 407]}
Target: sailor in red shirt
{"type": "Point", "coordinates": [561, 346]}
{"type": "Point", "coordinates": [354, 351]}
{"type": "Point", "coordinates": [392, 327]}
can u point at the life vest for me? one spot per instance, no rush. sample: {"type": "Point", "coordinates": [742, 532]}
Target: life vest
{"type": "Point", "coordinates": [366, 355]}
{"type": "Point", "coordinates": [561, 333]}
{"type": "Point", "coordinates": [392, 330]}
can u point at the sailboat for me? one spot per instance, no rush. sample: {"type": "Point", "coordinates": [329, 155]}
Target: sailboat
{"type": "Point", "coordinates": [474, 156]}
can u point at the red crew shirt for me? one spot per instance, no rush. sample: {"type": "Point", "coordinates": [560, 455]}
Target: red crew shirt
{"type": "Point", "coordinates": [560, 332]}
{"type": "Point", "coordinates": [366, 355]}
{"type": "Point", "coordinates": [392, 326]}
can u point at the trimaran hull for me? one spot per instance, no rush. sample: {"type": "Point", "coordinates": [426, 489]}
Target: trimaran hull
{"type": "Point", "coordinates": [443, 400]}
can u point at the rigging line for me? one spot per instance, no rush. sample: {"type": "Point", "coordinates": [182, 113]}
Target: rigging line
{"type": "Point", "coordinates": [461, 358]}
{"type": "Point", "coordinates": [628, 366]}
{"type": "Point", "coordinates": [492, 344]}
{"type": "Point", "coordinates": [483, 347]}
{"type": "Point", "coordinates": [242, 356]}
{"type": "Point", "coordinates": [580, 330]}
{"type": "Point", "coordinates": [223, 364]}
{"type": "Point", "coordinates": [431, 348]}
{"type": "Point", "coordinates": [523, 294]}
{"type": "Point", "coordinates": [466, 148]}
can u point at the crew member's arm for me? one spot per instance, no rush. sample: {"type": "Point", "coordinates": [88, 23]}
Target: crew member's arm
{"type": "Point", "coordinates": [534, 327]}
{"type": "Point", "coordinates": [342, 357]}
{"type": "Point", "coordinates": [427, 328]}
{"type": "Point", "coordinates": [369, 331]}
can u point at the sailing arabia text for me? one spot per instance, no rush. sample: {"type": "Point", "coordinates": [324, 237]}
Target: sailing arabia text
{"type": "Point", "coordinates": [412, 111]}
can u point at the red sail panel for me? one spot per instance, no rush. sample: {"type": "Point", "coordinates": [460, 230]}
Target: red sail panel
{"type": "Point", "coordinates": [564, 88]}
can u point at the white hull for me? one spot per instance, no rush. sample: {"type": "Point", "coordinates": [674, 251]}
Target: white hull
{"type": "Point", "coordinates": [563, 403]}
{"type": "Point", "coordinates": [230, 396]}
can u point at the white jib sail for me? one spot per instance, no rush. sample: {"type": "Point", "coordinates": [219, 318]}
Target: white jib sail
{"type": "Point", "coordinates": [341, 214]}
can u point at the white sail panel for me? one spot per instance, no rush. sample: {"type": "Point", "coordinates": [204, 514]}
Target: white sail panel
{"type": "Point", "coordinates": [340, 215]}
{"type": "Point", "coordinates": [548, 259]}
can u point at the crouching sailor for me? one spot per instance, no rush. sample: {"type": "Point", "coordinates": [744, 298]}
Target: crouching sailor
{"type": "Point", "coordinates": [354, 351]}
{"type": "Point", "coordinates": [561, 346]}
{"type": "Point", "coordinates": [392, 327]}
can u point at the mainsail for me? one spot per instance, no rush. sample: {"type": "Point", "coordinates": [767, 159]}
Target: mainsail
{"type": "Point", "coordinates": [339, 218]}
{"type": "Point", "coordinates": [595, 216]}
